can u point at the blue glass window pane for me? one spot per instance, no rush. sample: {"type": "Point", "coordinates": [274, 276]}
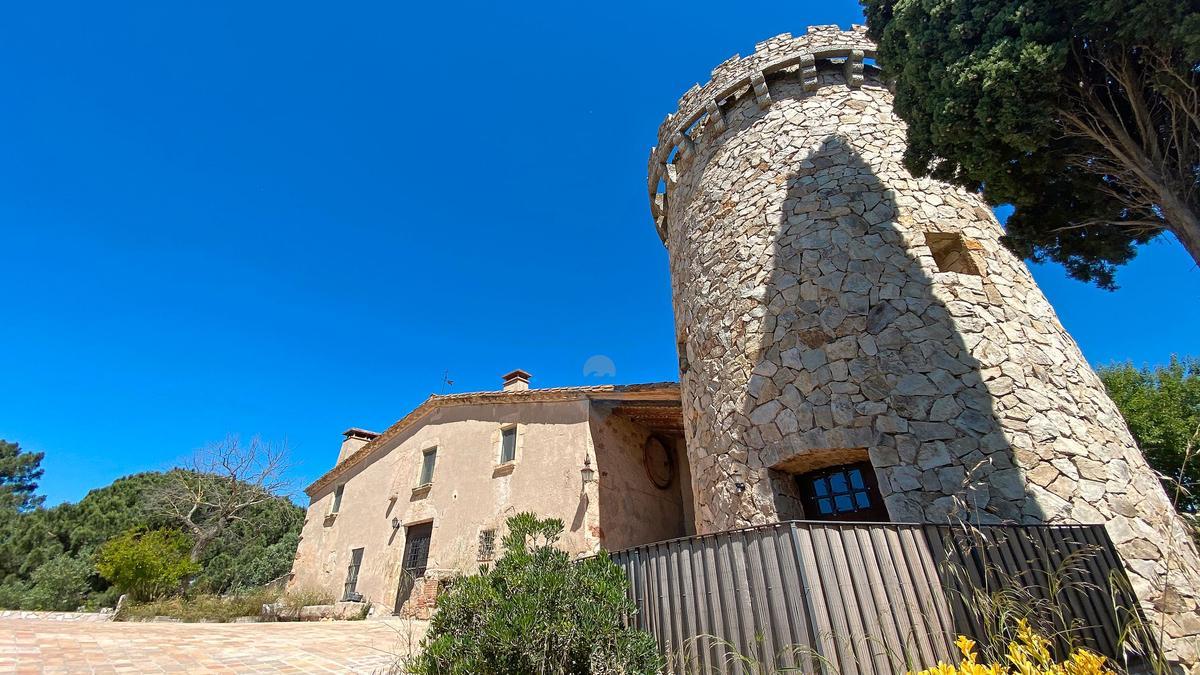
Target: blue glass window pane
{"type": "Point", "coordinates": [824, 506]}
{"type": "Point", "coordinates": [837, 482]}
{"type": "Point", "coordinates": [844, 503]}
{"type": "Point", "coordinates": [819, 487]}
{"type": "Point", "coordinates": [856, 480]}
{"type": "Point", "coordinates": [862, 499]}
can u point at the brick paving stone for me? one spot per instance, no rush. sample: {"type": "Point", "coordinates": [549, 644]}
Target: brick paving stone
{"type": "Point", "coordinates": [33, 645]}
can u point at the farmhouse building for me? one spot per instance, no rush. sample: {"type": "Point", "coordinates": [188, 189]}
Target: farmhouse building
{"type": "Point", "coordinates": [428, 497]}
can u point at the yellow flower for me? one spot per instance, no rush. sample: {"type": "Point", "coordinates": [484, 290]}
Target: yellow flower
{"type": "Point", "coordinates": [1028, 654]}
{"type": "Point", "coordinates": [967, 646]}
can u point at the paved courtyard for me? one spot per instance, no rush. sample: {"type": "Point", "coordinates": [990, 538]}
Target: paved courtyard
{"type": "Point", "coordinates": [40, 645]}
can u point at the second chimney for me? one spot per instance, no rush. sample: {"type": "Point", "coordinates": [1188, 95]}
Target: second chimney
{"type": "Point", "coordinates": [517, 380]}
{"type": "Point", "coordinates": [355, 439]}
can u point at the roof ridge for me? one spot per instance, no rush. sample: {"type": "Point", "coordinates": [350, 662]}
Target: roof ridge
{"type": "Point", "coordinates": [534, 391]}
{"type": "Point", "coordinates": [437, 400]}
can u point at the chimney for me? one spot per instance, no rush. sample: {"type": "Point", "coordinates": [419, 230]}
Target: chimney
{"type": "Point", "coordinates": [354, 440]}
{"type": "Point", "coordinates": [517, 380]}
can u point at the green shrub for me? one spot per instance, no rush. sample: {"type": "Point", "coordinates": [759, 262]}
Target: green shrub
{"type": "Point", "coordinates": [253, 552]}
{"type": "Point", "coordinates": [537, 612]}
{"type": "Point", "coordinates": [12, 594]}
{"type": "Point", "coordinates": [250, 566]}
{"type": "Point", "coordinates": [146, 565]}
{"type": "Point", "coordinates": [248, 553]}
{"type": "Point", "coordinates": [61, 584]}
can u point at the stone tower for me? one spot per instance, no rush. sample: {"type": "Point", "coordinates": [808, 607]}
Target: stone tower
{"type": "Point", "coordinates": [832, 309]}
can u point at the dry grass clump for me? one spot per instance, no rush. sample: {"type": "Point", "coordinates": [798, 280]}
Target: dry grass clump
{"type": "Point", "coordinates": [201, 608]}
{"type": "Point", "coordinates": [293, 600]}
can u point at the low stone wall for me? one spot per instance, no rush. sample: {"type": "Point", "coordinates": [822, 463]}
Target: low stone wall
{"type": "Point", "coordinates": [83, 617]}
{"type": "Point", "coordinates": [339, 611]}
{"type": "Point", "coordinates": [422, 600]}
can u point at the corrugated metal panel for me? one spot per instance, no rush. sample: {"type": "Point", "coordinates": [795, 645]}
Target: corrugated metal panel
{"type": "Point", "coordinates": [865, 597]}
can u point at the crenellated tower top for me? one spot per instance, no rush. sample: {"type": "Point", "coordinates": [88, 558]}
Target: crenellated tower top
{"type": "Point", "coordinates": [737, 77]}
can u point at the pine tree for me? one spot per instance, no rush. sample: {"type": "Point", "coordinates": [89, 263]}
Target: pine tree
{"type": "Point", "coordinates": [19, 473]}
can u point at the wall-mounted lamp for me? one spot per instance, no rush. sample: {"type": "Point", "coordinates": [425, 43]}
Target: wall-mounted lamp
{"type": "Point", "coordinates": [587, 472]}
{"type": "Point", "coordinates": [395, 523]}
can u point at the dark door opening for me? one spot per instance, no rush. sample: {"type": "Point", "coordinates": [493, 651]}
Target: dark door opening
{"type": "Point", "coordinates": [349, 593]}
{"type": "Point", "coordinates": [414, 561]}
{"type": "Point", "coordinates": [416, 548]}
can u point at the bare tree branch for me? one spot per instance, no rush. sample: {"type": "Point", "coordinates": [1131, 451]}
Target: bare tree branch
{"type": "Point", "coordinates": [1139, 119]}
{"type": "Point", "coordinates": [219, 483]}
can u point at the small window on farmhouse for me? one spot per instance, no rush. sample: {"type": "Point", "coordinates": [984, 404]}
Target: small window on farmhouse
{"type": "Point", "coordinates": [428, 459]}
{"type": "Point", "coordinates": [337, 498]}
{"type": "Point", "coordinates": [950, 252]}
{"type": "Point", "coordinates": [846, 492]}
{"type": "Point", "coordinates": [508, 444]}
{"type": "Point", "coordinates": [487, 544]}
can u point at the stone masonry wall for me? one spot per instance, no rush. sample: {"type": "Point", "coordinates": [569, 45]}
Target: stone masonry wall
{"type": "Point", "coordinates": [817, 327]}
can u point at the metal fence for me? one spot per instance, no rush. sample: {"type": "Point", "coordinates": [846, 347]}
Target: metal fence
{"type": "Point", "coordinates": [870, 597]}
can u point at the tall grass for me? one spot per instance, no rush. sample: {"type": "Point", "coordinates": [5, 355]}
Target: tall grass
{"type": "Point", "coordinates": [292, 601]}
{"type": "Point", "coordinates": [225, 608]}
{"type": "Point", "coordinates": [198, 608]}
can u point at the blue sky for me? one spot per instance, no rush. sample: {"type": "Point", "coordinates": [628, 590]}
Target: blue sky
{"type": "Point", "coordinates": [286, 219]}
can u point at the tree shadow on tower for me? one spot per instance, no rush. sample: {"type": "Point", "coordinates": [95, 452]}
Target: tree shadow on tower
{"type": "Point", "coordinates": [867, 347]}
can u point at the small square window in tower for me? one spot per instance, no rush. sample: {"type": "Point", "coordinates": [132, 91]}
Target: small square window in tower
{"type": "Point", "coordinates": [846, 492]}
{"type": "Point", "coordinates": [951, 253]}
{"type": "Point", "coordinates": [487, 544]}
{"type": "Point", "coordinates": [508, 445]}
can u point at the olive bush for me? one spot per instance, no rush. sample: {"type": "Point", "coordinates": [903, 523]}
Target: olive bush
{"type": "Point", "coordinates": [537, 611]}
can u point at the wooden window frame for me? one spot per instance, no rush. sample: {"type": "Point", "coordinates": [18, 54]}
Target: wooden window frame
{"type": "Point", "coordinates": [509, 431]}
{"type": "Point", "coordinates": [818, 490]}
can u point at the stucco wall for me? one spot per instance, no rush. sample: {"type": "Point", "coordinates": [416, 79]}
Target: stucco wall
{"type": "Point", "coordinates": [468, 494]}
{"type": "Point", "coordinates": [633, 510]}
